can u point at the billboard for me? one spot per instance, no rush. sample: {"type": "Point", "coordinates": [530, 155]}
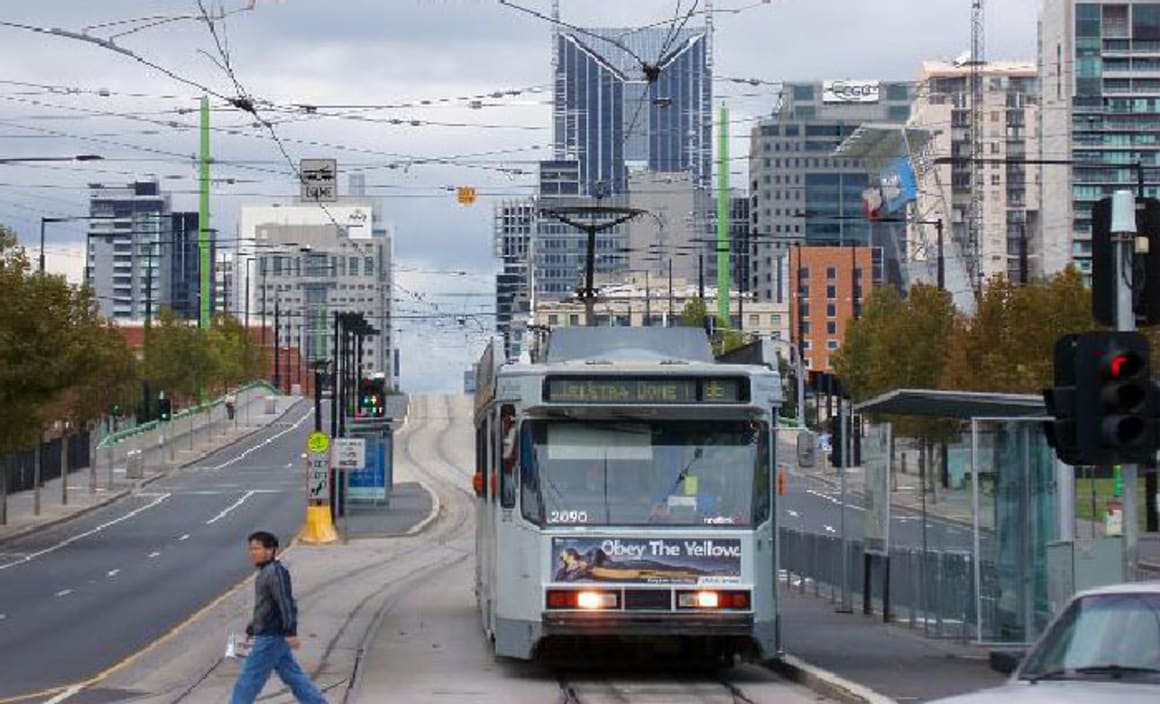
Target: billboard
{"type": "Point", "coordinates": [850, 91]}
{"type": "Point", "coordinates": [898, 185]}
{"type": "Point", "coordinates": [689, 561]}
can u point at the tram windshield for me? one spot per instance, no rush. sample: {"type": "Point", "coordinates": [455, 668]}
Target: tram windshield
{"type": "Point", "coordinates": [661, 472]}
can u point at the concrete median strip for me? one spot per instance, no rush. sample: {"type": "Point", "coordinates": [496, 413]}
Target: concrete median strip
{"type": "Point", "coordinates": [827, 683]}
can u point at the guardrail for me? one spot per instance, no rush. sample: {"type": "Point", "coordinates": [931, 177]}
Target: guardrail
{"type": "Point", "coordinates": [157, 444]}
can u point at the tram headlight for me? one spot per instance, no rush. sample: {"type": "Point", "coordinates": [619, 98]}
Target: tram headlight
{"type": "Point", "coordinates": [596, 600]}
{"type": "Point", "coordinates": [714, 600]}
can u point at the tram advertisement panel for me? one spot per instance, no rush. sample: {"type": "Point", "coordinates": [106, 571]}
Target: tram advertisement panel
{"type": "Point", "coordinates": [647, 560]}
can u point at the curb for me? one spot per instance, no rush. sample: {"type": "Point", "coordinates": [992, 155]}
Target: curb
{"type": "Point", "coordinates": [436, 507]}
{"type": "Point", "coordinates": [141, 484]}
{"type": "Point", "coordinates": [825, 682]}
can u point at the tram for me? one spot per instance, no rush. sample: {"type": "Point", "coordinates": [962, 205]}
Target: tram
{"type": "Point", "coordinates": [624, 493]}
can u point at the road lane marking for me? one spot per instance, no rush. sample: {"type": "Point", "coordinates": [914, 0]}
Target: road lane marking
{"type": "Point", "coordinates": [830, 529]}
{"type": "Point", "coordinates": [112, 573]}
{"type": "Point", "coordinates": [65, 543]}
{"type": "Point", "coordinates": [183, 538]}
{"type": "Point", "coordinates": [793, 513]}
{"type": "Point", "coordinates": [153, 555]}
{"type": "Point", "coordinates": [66, 694]}
{"type": "Point", "coordinates": [64, 592]}
{"type": "Point", "coordinates": [309, 414]}
{"type": "Point", "coordinates": [231, 507]}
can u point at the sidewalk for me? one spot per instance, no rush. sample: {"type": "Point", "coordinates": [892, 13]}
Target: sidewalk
{"type": "Point", "coordinates": [888, 659]}
{"type": "Point", "coordinates": [91, 488]}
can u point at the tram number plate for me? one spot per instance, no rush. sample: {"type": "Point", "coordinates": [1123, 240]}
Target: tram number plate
{"type": "Point", "coordinates": [567, 517]}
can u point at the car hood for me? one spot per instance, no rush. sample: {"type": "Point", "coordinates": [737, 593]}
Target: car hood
{"type": "Point", "coordinates": [1064, 692]}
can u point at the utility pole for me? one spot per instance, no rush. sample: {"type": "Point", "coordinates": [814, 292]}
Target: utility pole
{"type": "Point", "coordinates": [277, 348]}
{"type": "Point", "coordinates": [942, 264]}
{"type": "Point", "coordinates": [723, 273]}
{"type": "Point", "coordinates": [203, 230]}
{"type": "Point", "coordinates": [1124, 255]}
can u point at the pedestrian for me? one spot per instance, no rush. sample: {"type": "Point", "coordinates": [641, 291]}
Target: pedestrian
{"type": "Point", "coordinates": [273, 632]}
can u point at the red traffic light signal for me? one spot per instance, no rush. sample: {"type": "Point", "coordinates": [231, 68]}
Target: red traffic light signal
{"type": "Point", "coordinates": [1115, 404]}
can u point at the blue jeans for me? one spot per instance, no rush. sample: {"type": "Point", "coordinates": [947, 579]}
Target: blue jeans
{"type": "Point", "coordinates": [272, 654]}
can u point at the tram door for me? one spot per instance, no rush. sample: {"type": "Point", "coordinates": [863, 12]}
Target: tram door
{"type": "Point", "coordinates": [503, 542]}
{"type": "Point", "coordinates": [485, 470]}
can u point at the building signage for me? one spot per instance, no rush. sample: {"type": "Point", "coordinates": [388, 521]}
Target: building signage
{"type": "Point", "coordinates": [850, 91]}
{"type": "Point", "coordinates": [661, 391]}
{"type": "Point", "coordinates": [694, 561]}
{"type": "Point", "coordinates": [898, 185]}
{"type": "Point", "coordinates": [319, 179]}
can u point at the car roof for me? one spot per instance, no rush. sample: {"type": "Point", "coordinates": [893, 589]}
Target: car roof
{"type": "Point", "coordinates": [1150, 587]}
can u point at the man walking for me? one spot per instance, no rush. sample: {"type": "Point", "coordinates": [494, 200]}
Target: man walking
{"type": "Point", "coordinates": [273, 630]}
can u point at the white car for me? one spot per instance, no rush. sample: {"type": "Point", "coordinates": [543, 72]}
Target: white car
{"type": "Point", "coordinates": [1103, 647]}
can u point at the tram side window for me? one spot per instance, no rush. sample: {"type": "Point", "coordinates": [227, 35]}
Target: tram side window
{"type": "Point", "coordinates": [761, 479]}
{"type": "Point", "coordinates": [509, 449]}
{"type": "Point", "coordinates": [481, 457]}
{"type": "Point", "coordinates": [531, 500]}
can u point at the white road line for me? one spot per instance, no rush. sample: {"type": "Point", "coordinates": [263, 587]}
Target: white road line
{"type": "Point", "coordinates": [66, 694]}
{"type": "Point", "coordinates": [3, 616]}
{"type": "Point", "coordinates": [65, 543]}
{"type": "Point", "coordinates": [309, 414]}
{"type": "Point", "coordinates": [793, 513]}
{"type": "Point", "coordinates": [64, 592]}
{"type": "Point", "coordinates": [830, 529]}
{"type": "Point", "coordinates": [229, 508]}
{"type": "Point", "coordinates": [112, 573]}
{"type": "Point", "coordinates": [153, 555]}
{"type": "Point", "coordinates": [183, 538]}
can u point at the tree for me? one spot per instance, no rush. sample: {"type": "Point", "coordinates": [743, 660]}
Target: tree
{"type": "Point", "coordinates": [237, 360]}
{"type": "Point", "coordinates": [178, 357]}
{"type": "Point", "coordinates": [861, 362]}
{"type": "Point", "coordinates": [694, 314]}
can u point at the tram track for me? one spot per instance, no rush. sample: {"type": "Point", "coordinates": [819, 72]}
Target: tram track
{"type": "Point", "coordinates": [678, 689]}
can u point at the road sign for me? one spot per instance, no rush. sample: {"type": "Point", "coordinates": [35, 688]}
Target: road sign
{"type": "Point", "coordinates": [317, 442]}
{"type": "Point", "coordinates": [350, 453]}
{"type": "Point", "coordinates": [465, 195]}
{"type": "Point", "coordinates": [319, 179]}
{"type": "Point", "coordinates": [318, 476]}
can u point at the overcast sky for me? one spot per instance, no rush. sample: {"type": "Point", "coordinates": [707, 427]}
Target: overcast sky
{"type": "Point", "coordinates": [390, 53]}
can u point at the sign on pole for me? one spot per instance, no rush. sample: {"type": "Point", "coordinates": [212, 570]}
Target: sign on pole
{"type": "Point", "coordinates": [319, 180]}
{"type": "Point", "coordinates": [876, 468]}
{"type": "Point", "coordinates": [350, 453]}
{"type": "Point", "coordinates": [318, 476]}
{"type": "Point", "coordinates": [317, 442]}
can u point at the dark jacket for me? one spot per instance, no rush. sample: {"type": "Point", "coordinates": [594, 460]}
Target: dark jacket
{"type": "Point", "coordinates": [275, 613]}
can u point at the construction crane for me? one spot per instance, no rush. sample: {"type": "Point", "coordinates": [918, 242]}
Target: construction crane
{"type": "Point", "coordinates": [975, 215]}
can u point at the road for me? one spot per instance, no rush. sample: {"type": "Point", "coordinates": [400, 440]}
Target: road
{"type": "Point", "coordinates": [80, 598]}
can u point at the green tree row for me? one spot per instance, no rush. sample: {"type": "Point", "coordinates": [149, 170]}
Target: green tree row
{"type": "Point", "coordinates": [62, 362]}
{"type": "Point", "coordinates": [921, 341]}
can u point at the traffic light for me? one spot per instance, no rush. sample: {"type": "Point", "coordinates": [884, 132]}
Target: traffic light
{"type": "Point", "coordinates": [837, 442]}
{"type": "Point", "coordinates": [372, 398]}
{"type": "Point", "coordinates": [1115, 399]}
{"type": "Point", "coordinates": [1060, 402]}
{"type": "Point", "coordinates": [164, 409]}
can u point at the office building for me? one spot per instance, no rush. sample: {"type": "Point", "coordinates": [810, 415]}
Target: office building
{"type": "Point", "coordinates": [307, 268]}
{"type": "Point", "coordinates": [515, 223]}
{"type": "Point", "coordinates": [141, 255]}
{"type": "Point", "coordinates": [799, 192]}
{"type": "Point", "coordinates": [1008, 227]}
{"type": "Point", "coordinates": [610, 118]}
{"type": "Point", "coordinates": [1099, 70]}
{"type": "Point", "coordinates": [832, 283]}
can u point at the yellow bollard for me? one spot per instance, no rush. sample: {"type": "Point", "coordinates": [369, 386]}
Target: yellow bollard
{"type": "Point", "coordinates": [319, 527]}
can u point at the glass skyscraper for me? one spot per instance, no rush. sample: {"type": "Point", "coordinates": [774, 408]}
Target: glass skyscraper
{"type": "Point", "coordinates": [1099, 67]}
{"type": "Point", "coordinates": [609, 116]}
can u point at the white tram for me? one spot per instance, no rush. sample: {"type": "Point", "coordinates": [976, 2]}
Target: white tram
{"type": "Point", "coordinates": [625, 493]}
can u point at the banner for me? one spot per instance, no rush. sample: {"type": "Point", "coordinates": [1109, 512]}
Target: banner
{"type": "Point", "coordinates": [898, 185]}
{"type": "Point", "coordinates": [693, 561]}
{"type": "Point", "coordinates": [369, 482]}
{"type": "Point", "coordinates": [850, 91]}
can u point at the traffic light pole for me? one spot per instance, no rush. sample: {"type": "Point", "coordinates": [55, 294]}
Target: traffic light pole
{"type": "Point", "coordinates": [844, 419]}
{"type": "Point", "coordinates": [1124, 244]}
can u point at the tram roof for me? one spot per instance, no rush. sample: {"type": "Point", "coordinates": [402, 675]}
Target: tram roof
{"type": "Point", "coordinates": [628, 344]}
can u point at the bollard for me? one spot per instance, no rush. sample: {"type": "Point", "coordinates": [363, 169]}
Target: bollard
{"type": "Point", "coordinates": [914, 593]}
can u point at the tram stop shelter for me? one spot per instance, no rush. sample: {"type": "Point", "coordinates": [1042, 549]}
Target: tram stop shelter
{"type": "Point", "coordinates": [983, 541]}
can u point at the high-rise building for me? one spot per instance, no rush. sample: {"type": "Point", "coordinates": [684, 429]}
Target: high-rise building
{"type": "Point", "coordinates": [799, 192]}
{"type": "Point", "coordinates": [1009, 194]}
{"type": "Point", "coordinates": [307, 270]}
{"type": "Point", "coordinates": [141, 255]}
{"type": "Point", "coordinates": [612, 115]}
{"type": "Point", "coordinates": [1099, 71]}
{"type": "Point", "coordinates": [831, 286]}
{"type": "Point", "coordinates": [515, 224]}
{"type": "Point", "coordinates": [739, 241]}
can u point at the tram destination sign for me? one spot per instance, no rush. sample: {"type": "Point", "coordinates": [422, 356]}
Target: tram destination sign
{"type": "Point", "coordinates": [656, 391]}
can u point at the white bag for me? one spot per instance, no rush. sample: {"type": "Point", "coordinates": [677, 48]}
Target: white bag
{"type": "Point", "coordinates": [236, 647]}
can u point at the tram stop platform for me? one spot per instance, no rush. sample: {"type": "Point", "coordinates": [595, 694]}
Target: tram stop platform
{"type": "Point", "coordinates": [893, 661]}
{"type": "Point", "coordinates": [410, 507]}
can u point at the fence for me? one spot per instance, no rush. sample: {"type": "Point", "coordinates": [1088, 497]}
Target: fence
{"type": "Point", "coordinates": [19, 467]}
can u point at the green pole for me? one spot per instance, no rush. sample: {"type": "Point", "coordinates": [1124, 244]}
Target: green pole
{"type": "Point", "coordinates": [723, 273]}
{"type": "Point", "coordinates": [1118, 483]}
{"type": "Point", "coordinates": [203, 234]}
